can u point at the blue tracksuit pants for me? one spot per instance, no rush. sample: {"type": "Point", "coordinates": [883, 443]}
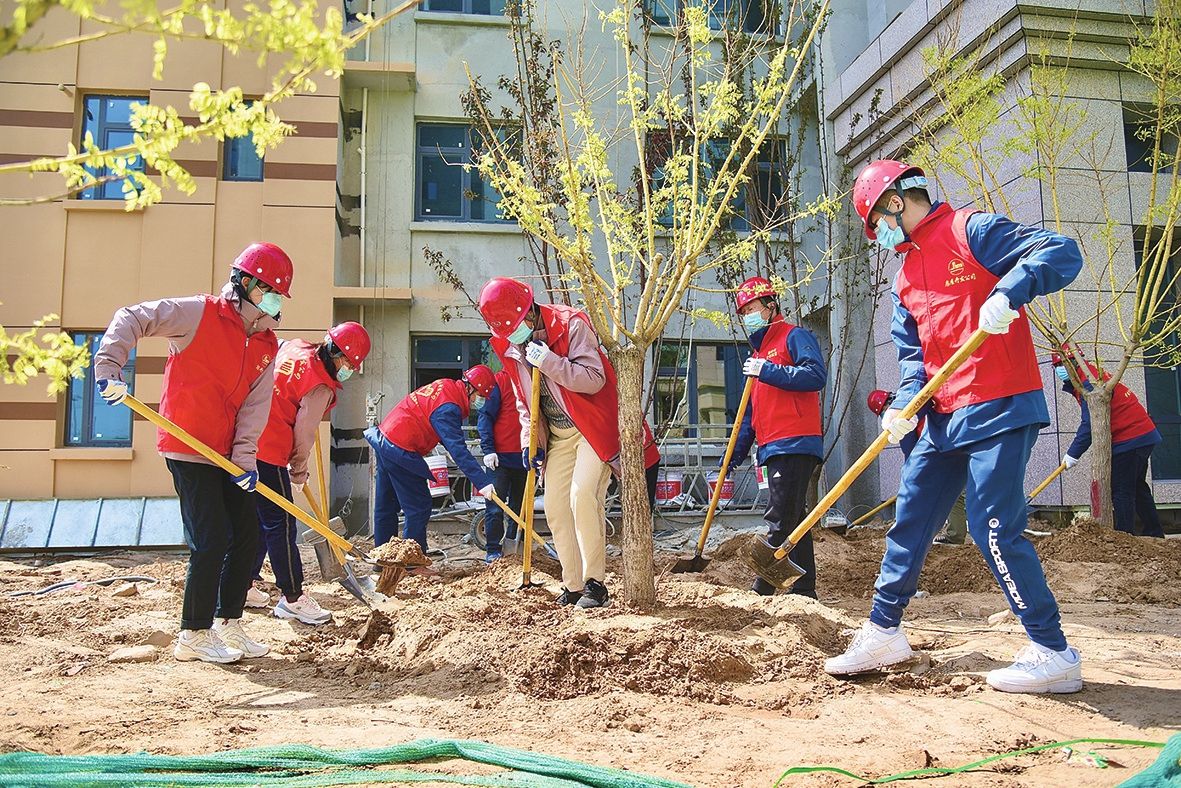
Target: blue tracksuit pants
{"type": "Point", "coordinates": [401, 487]}
{"type": "Point", "coordinates": [994, 471]}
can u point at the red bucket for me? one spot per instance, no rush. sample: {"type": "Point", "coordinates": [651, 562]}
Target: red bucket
{"type": "Point", "coordinates": [727, 488]}
{"type": "Point", "coordinates": [669, 485]}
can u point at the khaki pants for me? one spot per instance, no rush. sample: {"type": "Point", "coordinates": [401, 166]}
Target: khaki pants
{"type": "Point", "coordinates": [575, 491]}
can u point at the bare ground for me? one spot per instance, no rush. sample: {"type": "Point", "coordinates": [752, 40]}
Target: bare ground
{"type": "Point", "coordinates": [717, 687]}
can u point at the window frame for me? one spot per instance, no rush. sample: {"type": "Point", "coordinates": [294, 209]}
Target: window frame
{"type": "Point", "coordinates": [717, 21]}
{"type": "Point", "coordinates": [99, 192]}
{"type": "Point", "coordinates": [1133, 115]}
{"type": "Point", "coordinates": [1155, 378]}
{"type": "Point", "coordinates": [453, 157]}
{"type": "Point", "coordinates": [248, 141]}
{"type": "Point", "coordinates": [466, 9]}
{"type": "Point", "coordinates": [474, 349]}
{"type": "Point", "coordinates": [89, 403]}
{"type": "Point", "coordinates": [734, 355]}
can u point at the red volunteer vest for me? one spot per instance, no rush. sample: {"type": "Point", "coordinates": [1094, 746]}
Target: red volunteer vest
{"type": "Point", "coordinates": [1129, 419]}
{"type": "Point", "coordinates": [595, 415]}
{"type": "Point", "coordinates": [298, 370]}
{"type": "Point", "coordinates": [776, 413]}
{"type": "Point", "coordinates": [409, 424]}
{"type": "Point", "coordinates": [943, 286]}
{"type": "Point", "coordinates": [506, 430]}
{"type": "Point", "coordinates": [206, 383]}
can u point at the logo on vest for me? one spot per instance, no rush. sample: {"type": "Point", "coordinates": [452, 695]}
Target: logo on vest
{"type": "Point", "coordinates": [264, 363]}
{"type": "Point", "coordinates": [955, 267]}
{"type": "Point", "coordinates": [958, 277]}
{"type": "Point", "coordinates": [772, 353]}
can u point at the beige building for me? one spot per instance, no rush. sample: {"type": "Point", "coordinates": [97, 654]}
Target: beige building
{"type": "Point", "coordinates": [81, 258]}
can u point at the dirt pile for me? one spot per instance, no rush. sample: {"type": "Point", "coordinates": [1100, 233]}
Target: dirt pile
{"type": "Point", "coordinates": [400, 551]}
{"type": "Point", "coordinates": [1095, 563]}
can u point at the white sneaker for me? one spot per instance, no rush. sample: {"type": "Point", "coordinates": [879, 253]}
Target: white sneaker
{"type": "Point", "coordinates": [205, 645]}
{"type": "Point", "coordinates": [304, 609]}
{"type": "Point", "coordinates": [231, 632]}
{"type": "Point", "coordinates": [256, 597]}
{"type": "Point", "coordinates": [1040, 669]}
{"type": "Point", "coordinates": [872, 648]}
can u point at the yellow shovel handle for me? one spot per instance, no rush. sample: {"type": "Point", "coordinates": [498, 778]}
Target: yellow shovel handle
{"type": "Point", "coordinates": [180, 434]}
{"type": "Point", "coordinates": [531, 478]}
{"type": "Point", "coordinates": [863, 518]}
{"type": "Point", "coordinates": [1037, 490]}
{"type": "Point", "coordinates": [717, 493]}
{"type": "Point", "coordinates": [322, 509]}
{"type": "Point", "coordinates": [869, 455]}
{"type": "Point", "coordinates": [517, 519]}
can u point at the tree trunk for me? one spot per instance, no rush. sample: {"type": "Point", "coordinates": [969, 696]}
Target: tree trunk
{"type": "Point", "coordinates": [1099, 404]}
{"type": "Point", "coordinates": [639, 583]}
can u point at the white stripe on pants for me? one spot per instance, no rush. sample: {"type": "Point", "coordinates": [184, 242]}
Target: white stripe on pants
{"type": "Point", "coordinates": [575, 491]}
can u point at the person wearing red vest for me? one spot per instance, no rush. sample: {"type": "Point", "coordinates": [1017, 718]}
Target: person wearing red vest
{"type": "Point", "coordinates": [499, 426]}
{"type": "Point", "coordinates": [964, 270]}
{"type": "Point", "coordinates": [578, 424]}
{"type": "Point", "coordinates": [783, 418]}
{"type": "Point", "coordinates": [217, 387]}
{"type": "Point", "coordinates": [1133, 437]}
{"type": "Point", "coordinates": [956, 531]}
{"type": "Point", "coordinates": [307, 378]}
{"type": "Point", "coordinates": [428, 416]}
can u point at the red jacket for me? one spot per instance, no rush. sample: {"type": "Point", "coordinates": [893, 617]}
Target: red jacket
{"type": "Point", "coordinates": [1129, 419]}
{"type": "Point", "coordinates": [206, 383]}
{"type": "Point", "coordinates": [778, 413]}
{"type": "Point", "coordinates": [506, 430]}
{"type": "Point", "coordinates": [298, 370]}
{"type": "Point", "coordinates": [943, 286]}
{"type": "Point", "coordinates": [408, 425]}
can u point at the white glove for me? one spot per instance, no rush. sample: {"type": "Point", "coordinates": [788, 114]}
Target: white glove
{"type": "Point", "coordinates": [536, 353]}
{"type": "Point", "coordinates": [1069, 461]}
{"type": "Point", "coordinates": [753, 367]}
{"type": "Point", "coordinates": [491, 461]}
{"type": "Point", "coordinates": [898, 427]}
{"type": "Point", "coordinates": [996, 314]}
{"type": "Point", "coordinates": [296, 488]}
{"type": "Point", "coordinates": [487, 491]}
{"type": "Point", "coordinates": [112, 391]}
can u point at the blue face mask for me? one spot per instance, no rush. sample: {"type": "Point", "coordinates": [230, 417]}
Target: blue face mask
{"type": "Point", "coordinates": [270, 303]}
{"type": "Point", "coordinates": [889, 238]}
{"type": "Point", "coordinates": [478, 403]}
{"type": "Point", "coordinates": [344, 373]}
{"type": "Point", "coordinates": [754, 321]}
{"type": "Point", "coordinates": [521, 334]}
{"type": "Point", "coordinates": [1061, 373]}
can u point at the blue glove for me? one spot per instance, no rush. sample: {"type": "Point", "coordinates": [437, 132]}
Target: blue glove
{"type": "Point", "coordinates": [112, 391]}
{"type": "Point", "coordinates": [247, 480]}
{"type": "Point", "coordinates": [729, 469]}
{"type": "Point", "coordinates": [538, 458]}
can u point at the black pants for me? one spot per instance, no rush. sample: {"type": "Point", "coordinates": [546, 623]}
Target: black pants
{"type": "Point", "coordinates": [221, 530]}
{"type": "Point", "coordinates": [278, 534]}
{"type": "Point", "coordinates": [1131, 495]}
{"type": "Point", "coordinates": [788, 476]}
{"type": "Point", "coordinates": [509, 484]}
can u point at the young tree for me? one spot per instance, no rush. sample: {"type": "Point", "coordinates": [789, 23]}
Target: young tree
{"type": "Point", "coordinates": [634, 247]}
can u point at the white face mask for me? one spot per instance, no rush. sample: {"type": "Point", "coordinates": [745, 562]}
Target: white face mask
{"type": "Point", "coordinates": [478, 402]}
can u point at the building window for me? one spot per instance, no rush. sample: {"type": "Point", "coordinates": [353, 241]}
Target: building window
{"type": "Point", "coordinates": [107, 119]}
{"type": "Point", "coordinates": [751, 16]}
{"type": "Point", "coordinates": [698, 387]}
{"type": "Point", "coordinates": [446, 189]}
{"type": "Point", "coordinates": [1139, 139]}
{"type": "Point", "coordinates": [242, 162]}
{"type": "Point", "coordinates": [484, 7]}
{"type": "Point", "coordinates": [89, 420]}
{"type": "Point", "coordinates": [1162, 372]}
{"type": "Point", "coordinates": [447, 357]}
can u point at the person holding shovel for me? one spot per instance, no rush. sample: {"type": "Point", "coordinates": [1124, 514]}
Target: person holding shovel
{"type": "Point", "coordinates": [217, 386]}
{"type": "Point", "coordinates": [1133, 437]}
{"type": "Point", "coordinates": [964, 270]}
{"type": "Point", "coordinates": [784, 419]}
{"type": "Point", "coordinates": [307, 377]}
{"type": "Point", "coordinates": [578, 436]}
{"type": "Point", "coordinates": [499, 425]}
{"type": "Point", "coordinates": [428, 416]}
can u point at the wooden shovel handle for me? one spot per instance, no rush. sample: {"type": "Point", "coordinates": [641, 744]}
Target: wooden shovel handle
{"type": "Point", "coordinates": [717, 493]}
{"type": "Point", "coordinates": [1037, 490]}
{"type": "Point", "coordinates": [531, 477]}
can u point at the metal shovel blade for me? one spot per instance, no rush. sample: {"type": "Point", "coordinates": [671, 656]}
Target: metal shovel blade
{"type": "Point", "coordinates": [330, 567]}
{"type": "Point", "coordinates": [361, 586]}
{"type": "Point", "coordinates": [697, 563]}
{"type": "Point", "coordinates": [759, 555]}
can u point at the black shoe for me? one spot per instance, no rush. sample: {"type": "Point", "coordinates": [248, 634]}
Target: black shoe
{"type": "Point", "coordinates": [762, 587]}
{"type": "Point", "coordinates": [568, 597]}
{"type": "Point", "coordinates": [594, 595]}
{"type": "Point", "coordinates": [944, 539]}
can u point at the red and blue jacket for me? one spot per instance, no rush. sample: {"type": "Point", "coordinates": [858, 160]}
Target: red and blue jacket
{"type": "Point", "coordinates": [499, 424]}
{"type": "Point", "coordinates": [1131, 426]}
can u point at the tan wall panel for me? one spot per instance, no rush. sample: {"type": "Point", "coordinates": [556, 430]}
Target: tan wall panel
{"type": "Point", "coordinates": [92, 479]}
{"type": "Point", "coordinates": [149, 387]}
{"type": "Point", "coordinates": [177, 247]}
{"type": "Point", "coordinates": [149, 474]}
{"type": "Point", "coordinates": [36, 97]}
{"type": "Point", "coordinates": [118, 63]}
{"type": "Point", "coordinates": [32, 262]}
{"type": "Point", "coordinates": [50, 67]}
{"type": "Point", "coordinates": [206, 193]}
{"type": "Point", "coordinates": [242, 70]}
{"type": "Point", "coordinates": [38, 434]}
{"type": "Point", "coordinates": [34, 141]}
{"type": "Point", "coordinates": [321, 194]}
{"type": "Point", "coordinates": [323, 107]}
{"type": "Point", "coordinates": [237, 223]}
{"type": "Point", "coordinates": [32, 392]}
{"type": "Point", "coordinates": [188, 63]}
{"type": "Point", "coordinates": [102, 271]}
{"type": "Point", "coordinates": [24, 186]}
{"type": "Point", "coordinates": [26, 474]}
{"type": "Point", "coordinates": [309, 150]}
{"type": "Point", "coordinates": [308, 234]}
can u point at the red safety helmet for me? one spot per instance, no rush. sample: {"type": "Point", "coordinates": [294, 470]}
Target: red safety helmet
{"type": "Point", "coordinates": [753, 288]}
{"type": "Point", "coordinates": [267, 263]}
{"type": "Point", "coordinates": [873, 182]}
{"type": "Point", "coordinates": [504, 303]}
{"type": "Point", "coordinates": [351, 339]}
{"type": "Point", "coordinates": [878, 401]}
{"type": "Point", "coordinates": [481, 378]}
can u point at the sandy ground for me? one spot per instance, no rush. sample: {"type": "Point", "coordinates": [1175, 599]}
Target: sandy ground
{"type": "Point", "coordinates": [717, 687]}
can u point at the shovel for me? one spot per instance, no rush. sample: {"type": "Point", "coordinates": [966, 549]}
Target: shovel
{"type": "Point", "coordinates": [774, 565]}
{"type": "Point", "coordinates": [530, 485]}
{"type": "Point", "coordinates": [550, 551]}
{"type": "Point", "coordinates": [339, 545]}
{"type": "Point", "coordinates": [697, 563]}
{"type": "Point", "coordinates": [866, 517]}
{"type": "Point", "coordinates": [1037, 490]}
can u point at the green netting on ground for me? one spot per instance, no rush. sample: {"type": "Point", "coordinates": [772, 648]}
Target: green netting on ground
{"type": "Point", "coordinates": [301, 766]}
{"type": "Point", "coordinates": [1165, 772]}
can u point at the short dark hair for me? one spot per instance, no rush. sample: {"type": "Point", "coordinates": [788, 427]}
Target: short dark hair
{"type": "Point", "coordinates": [917, 194]}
